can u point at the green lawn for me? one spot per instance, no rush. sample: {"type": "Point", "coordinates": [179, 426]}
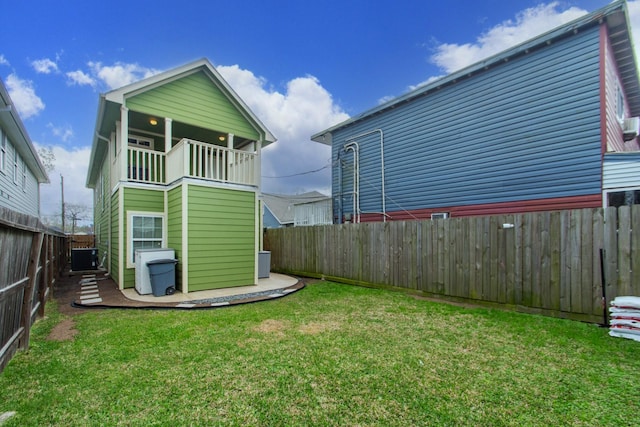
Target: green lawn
{"type": "Point", "coordinates": [330, 354]}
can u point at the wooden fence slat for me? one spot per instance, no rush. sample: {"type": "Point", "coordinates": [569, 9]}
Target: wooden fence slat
{"type": "Point", "coordinates": [586, 261]}
{"type": "Point", "coordinates": [624, 251]}
{"type": "Point", "coordinates": [510, 259]}
{"type": "Point", "coordinates": [27, 303]}
{"type": "Point", "coordinates": [492, 284]}
{"type": "Point", "coordinates": [611, 252]}
{"type": "Point", "coordinates": [486, 258]}
{"type": "Point", "coordinates": [575, 263]}
{"type": "Point", "coordinates": [545, 260]}
{"type": "Point", "coordinates": [428, 255]}
{"type": "Point", "coordinates": [474, 270]}
{"type": "Point", "coordinates": [597, 226]}
{"type": "Point", "coordinates": [518, 261]}
{"type": "Point", "coordinates": [635, 247]}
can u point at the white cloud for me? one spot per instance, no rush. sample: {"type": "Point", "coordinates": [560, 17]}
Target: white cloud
{"type": "Point", "coordinates": [80, 78]}
{"type": "Point", "coordinates": [426, 82]}
{"type": "Point", "coordinates": [3, 60]}
{"type": "Point", "coordinates": [24, 96]}
{"type": "Point", "coordinates": [386, 99]}
{"type": "Point", "coordinates": [63, 132]}
{"type": "Point", "coordinates": [120, 74]}
{"type": "Point", "coordinates": [527, 24]}
{"type": "Point", "coordinates": [72, 165]}
{"type": "Point", "coordinates": [44, 66]}
{"type": "Point", "coordinates": [293, 116]}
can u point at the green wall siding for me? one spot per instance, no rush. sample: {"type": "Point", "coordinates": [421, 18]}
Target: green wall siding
{"type": "Point", "coordinates": [102, 214]}
{"type": "Point", "coordinates": [115, 237]}
{"type": "Point", "coordinates": [221, 228]}
{"type": "Point", "coordinates": [194, 100]}
{"type": "Point", "coordinates": [136, 199]}
{"type": "Point", "coordinates": [174, 227]}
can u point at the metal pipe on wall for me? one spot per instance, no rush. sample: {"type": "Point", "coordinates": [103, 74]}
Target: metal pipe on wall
{"type": "Point", "coordinates": [353, 146]}
{"type": "Point", "coordinates": [353, 138]}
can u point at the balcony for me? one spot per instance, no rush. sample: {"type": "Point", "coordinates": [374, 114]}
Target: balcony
{"type": "Point", "coordinates": [191, 159]}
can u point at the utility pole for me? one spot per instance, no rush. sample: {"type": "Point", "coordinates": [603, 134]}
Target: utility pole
{"type": "Point", "coordinates": [62, 192]}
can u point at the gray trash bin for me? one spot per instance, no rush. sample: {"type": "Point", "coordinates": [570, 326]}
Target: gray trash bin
{"type": "Point", "coordinates": [264, 264]}
{"type": "Point", "coordinates": [162, 273]}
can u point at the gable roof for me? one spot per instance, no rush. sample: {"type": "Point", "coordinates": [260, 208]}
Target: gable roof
{"type": "Point", "coordinates": [118, 96]}
{"type": "Point", "coordinates": [616, 17]}
{"type": "Point", "coordinates": [144, 85]}
{"type": "Point", "coordinates": [281, 205]}
{"type": "Point", "coordinates": [13, 126]}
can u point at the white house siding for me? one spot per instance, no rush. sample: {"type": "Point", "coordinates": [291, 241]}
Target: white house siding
{"type": "Point", "coordinates": [621, 171]}
{"type": "Point", "coordinates": [13, 195]}
{"type": "Point", "coordinates": [313, 213]}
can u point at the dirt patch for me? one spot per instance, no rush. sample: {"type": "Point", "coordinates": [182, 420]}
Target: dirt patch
{"type": "Point", "coordinates": [315, 328]}
{"type": "Point", "coordinates": [63, 331]}
{"type": "Point", "coordinates": [441, 300]}
{"type": "Point", "coordinates": [271, 326]}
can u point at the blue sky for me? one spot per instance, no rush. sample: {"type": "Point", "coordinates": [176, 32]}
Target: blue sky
{"type": "Point", "coordinates": [300, 66]}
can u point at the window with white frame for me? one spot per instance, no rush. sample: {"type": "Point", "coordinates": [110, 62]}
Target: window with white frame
{"type": "Point", "coordinates": [15, 167]}
{"type": "Point", "coordinates": [24, 176]}
{"type": "Point", "coordinates": [619, 103]}
{"type": "Point", "coordinates": [140, 142]}
{"type": "Point", "coordinates": [146, 231]}
{"type": "Point", "coordinates": [3, 150]}
{"type": "Point", "coordinates": [623, 197]}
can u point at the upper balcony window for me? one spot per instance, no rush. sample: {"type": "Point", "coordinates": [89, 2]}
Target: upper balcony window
{"type": "Point", "coordinates": [141, 142]}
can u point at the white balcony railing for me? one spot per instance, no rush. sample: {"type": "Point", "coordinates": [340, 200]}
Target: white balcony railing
{"type": "Point", "coordinates": [193, 159]}
{"type": "Point", "coordinates": [145, 166]}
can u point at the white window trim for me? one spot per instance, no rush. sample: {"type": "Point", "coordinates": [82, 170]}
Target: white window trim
{"type": "Point", "coordinates": [605, 194]}
{"type": "Point", "coordinates": [15, 167]}
{"type": "Point", "coordinates": [619, 103]}
{"type": "Point", "coordinates": [130, 215]}
{"type": "Point", "coordinates": [141, 142]}
{"type": "Point", "coordinates": [24, 176]}
{"type": "Point", "coordinates": [3, 151]}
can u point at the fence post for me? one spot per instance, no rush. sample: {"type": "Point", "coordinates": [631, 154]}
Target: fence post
{"type": "Point", "coordinates": [43, 287]}
{"type": "Point", "coordinates": [27, 300]}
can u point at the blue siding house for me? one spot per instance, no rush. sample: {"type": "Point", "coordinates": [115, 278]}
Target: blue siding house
{"type": "Point", "coordinates": [524, 130]}
{"type": "Point", "coordinates": [21, 171]}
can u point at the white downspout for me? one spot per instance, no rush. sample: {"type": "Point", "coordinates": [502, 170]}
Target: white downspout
{"type": "Point", "coordinates": [124, 143]}
{"type": "Point", "coordinates": [384, 209]}
{"type": "Point", "coordinates": [353, 146]}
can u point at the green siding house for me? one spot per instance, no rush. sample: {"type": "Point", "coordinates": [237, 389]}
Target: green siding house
{"type": "Point", "coordinates": [175, 163]}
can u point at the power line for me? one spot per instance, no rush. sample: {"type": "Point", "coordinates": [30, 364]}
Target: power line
{"type": "Point", "coordinates": [300, 173]}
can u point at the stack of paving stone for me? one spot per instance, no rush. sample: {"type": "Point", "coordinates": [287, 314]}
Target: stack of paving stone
{"type": "Point", "coordinates": [625, 318]}
{"type": "Point", "coordinates": [89, 293]}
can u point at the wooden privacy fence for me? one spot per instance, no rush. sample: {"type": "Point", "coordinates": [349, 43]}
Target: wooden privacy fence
{"type": "Point", "coordinates": [543, 262]}
{"type": "Point", "coordinates": [80, 241]}
{"type": "Point", "coordinates": [31, 258]}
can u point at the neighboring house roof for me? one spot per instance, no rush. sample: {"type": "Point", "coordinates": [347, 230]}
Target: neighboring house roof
{"type": "Point", "coordinates": [118, 96]}
{"type": "Point", "coordinates": [281, 205]}
{"type": "Point", "coordinates": [15, 130]}
{"type": "Point", "coordinates": [616, 17]}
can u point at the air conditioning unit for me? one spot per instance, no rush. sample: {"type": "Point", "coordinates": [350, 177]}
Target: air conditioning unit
{"type": "Point", "coordinates": [630, 128]}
